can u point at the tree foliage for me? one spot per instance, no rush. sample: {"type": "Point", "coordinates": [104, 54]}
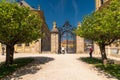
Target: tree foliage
{"type": "Point", "coordinates": [102, 26]}
{"type": "Point", "coordinates": [17, 25]}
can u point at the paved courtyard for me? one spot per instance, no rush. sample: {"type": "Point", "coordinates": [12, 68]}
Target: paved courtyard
{"type": "Point", "coordinates": [56, 67]}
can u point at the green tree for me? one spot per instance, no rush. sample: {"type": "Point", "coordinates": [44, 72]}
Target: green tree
{"type": "Point", "coordinates": [102, 26]}
{"type": "Point", "coordinates": [17, 25]}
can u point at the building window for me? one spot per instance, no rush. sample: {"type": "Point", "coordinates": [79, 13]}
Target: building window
{"type": "Point", "coordinates": [27, 44]}
{"type": "Point", "coordinates": [19, 44]}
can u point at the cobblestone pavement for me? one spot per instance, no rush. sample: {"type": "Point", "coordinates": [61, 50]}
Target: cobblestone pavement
{"type": "Point", "coordinates": [56, 67]}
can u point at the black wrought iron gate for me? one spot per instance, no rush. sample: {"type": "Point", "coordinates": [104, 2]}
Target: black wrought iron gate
{"type": "Point", "coordinates": [67, 38]}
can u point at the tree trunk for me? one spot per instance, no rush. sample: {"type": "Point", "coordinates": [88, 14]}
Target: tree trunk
{"type": "Point", "coordinates": [9, 54]}
{"type": "Point", "coordinates": [103, 53]}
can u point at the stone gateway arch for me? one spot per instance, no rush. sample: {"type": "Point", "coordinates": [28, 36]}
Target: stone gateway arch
{"type": "Point", "coordinates": [64, 36]}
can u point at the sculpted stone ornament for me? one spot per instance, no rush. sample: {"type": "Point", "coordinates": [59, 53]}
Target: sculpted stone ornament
{"type": "Point", "coordinates": [54, 27]}
{"type": "Point", "coordinates": [79, 24]}
{"type": "Point", "coordinates": [54, 24]}
{"type": "Point", "coordinates": [39, 7]}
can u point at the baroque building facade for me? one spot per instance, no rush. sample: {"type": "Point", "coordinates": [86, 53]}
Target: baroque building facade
{"type": "Point", "coordinates": [99, 3]}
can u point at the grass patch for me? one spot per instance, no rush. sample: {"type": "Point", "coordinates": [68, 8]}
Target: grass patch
{"type": "Point", "coordinates": [91, 60]}
{"type": "Point", "coordinates": [112, 69]}
{"type": "Point", "coordinates": [18, 63]}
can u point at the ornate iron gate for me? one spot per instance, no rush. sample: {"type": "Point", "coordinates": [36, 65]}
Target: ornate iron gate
{"type": "Point", "coordinates": [67, 38]}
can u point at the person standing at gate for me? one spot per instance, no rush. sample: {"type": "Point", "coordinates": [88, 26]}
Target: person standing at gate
{"type": "Point", "coordinates": [3, 50]}
{"type": "Point", "coordinates": [63, 49]}
{"type": "Point", "coordinates": [90, 53]}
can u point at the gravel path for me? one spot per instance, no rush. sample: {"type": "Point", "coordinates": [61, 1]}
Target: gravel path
{"type": "Point", "coordinates": [57, 67]}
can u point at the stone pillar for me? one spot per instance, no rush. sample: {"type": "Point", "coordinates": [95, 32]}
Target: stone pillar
{"type": "Point", "coordinates": [96, 49]}
{"type": "Point", "coordinates": [23, 47]}
{"type": "Point", "coordinates": [54, 39]}
{"type": "Point", "coordinates": [36, 47]}
{"type": "Point", "coordinates": [79, 43]}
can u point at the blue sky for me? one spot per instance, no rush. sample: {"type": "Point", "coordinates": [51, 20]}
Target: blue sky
{"type": "Point", "coordinates": [64, 10]}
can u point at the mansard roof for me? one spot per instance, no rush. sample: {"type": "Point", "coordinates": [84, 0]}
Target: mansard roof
{"type": "Point", "coordinates": [40, 13]}
{"type": "Point", "coordinates": [23, 3]}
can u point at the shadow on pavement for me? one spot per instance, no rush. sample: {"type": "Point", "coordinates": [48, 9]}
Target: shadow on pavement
{"type": "Point", "coordinates": [95, 61]}
{"type": "Point", "coordinates": [31, 68]}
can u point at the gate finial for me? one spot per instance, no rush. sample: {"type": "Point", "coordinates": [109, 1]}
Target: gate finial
{"type": "Point", "coordinates": [79, 24]}
{"type": "Point", "coordinates": [39, 7]}
{"type": "Point", "coordinates": [54, 24]}
{"type": "Point", "coordinates": [54, 27]}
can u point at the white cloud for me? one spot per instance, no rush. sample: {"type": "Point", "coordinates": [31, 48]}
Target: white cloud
{"type": "Point", "coordinates": [51, 6]}
{"type": "Point", "coordinates": [60, 6]}
{"type": "Point", "coordinates": [75, 5]}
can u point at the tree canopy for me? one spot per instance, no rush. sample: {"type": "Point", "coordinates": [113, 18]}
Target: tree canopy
{"type": "Point", "coordinates": [102, 26]}
{"type": "Point", "coordinates": [17, 25]}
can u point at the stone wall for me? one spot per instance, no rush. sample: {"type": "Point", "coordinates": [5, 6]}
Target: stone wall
{"type": "Point", "coordinates": [79, 44]}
